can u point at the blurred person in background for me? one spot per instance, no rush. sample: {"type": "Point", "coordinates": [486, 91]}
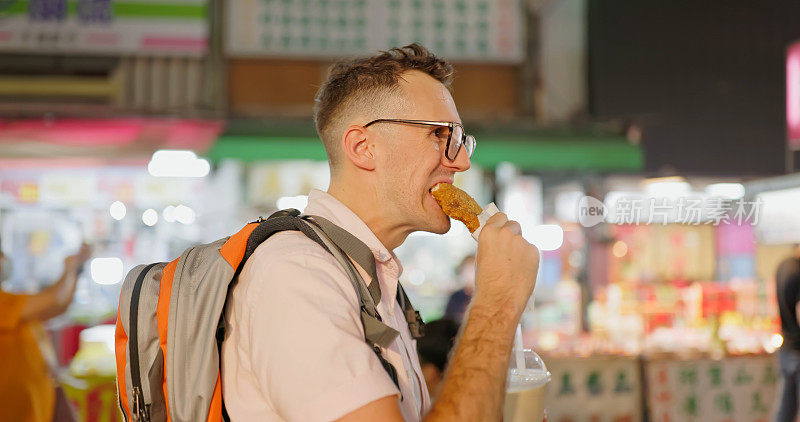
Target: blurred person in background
{"type": "Point", "coordinates": [434, 351]}
{"type": "Point", "coordinates": [788, 292]}
{"type": "Point", "coordinates": [27, 390]}
{"type": "Point", "coordinates": [459, 300]}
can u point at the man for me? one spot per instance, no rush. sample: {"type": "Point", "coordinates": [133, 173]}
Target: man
{"type": "Point", "coordinates": [26, 391]}
{"type": "Point", "coordinates": [295, 349]}
{"type": "Point", "coordinates": [788, 293]}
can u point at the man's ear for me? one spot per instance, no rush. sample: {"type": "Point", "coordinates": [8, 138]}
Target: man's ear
{"type": "Point", "coordinates": [357, 147]}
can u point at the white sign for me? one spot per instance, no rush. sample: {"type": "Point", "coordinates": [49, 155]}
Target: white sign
{"type": "Point", "coordinates": [485, 30]}
{"type": "Point", "coordinates": [607, 388]}
{"type": "Point", "coordinates": [732, 389]}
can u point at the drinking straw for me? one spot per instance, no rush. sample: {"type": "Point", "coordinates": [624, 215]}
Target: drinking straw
{"type": "Point", "coordinates": [520, 353]}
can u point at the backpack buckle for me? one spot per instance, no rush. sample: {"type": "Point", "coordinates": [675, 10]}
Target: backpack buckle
{"type": "Point", "coordinates": [140, 410]}
{"type": "Point", "coordinates": [415, 324]}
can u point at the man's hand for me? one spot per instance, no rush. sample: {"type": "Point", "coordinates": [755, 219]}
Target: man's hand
{"type": "Point", "coordinates": [506, 264]}
{"type": "Point", "coordinates": [474, 384]}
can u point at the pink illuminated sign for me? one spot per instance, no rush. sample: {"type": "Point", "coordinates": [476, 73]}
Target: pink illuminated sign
{"type": "Point", "coordinates": [793, 95]}
{"type": "Point", "coordinates": [126, 136]}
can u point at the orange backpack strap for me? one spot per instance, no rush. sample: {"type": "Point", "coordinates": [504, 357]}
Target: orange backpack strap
{"type": "Point", "coordinates": [234, 248]}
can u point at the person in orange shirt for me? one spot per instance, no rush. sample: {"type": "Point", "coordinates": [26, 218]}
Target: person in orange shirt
{"type": "Point", "coordinates": [27, 392]}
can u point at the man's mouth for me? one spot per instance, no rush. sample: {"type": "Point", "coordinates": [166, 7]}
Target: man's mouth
{"type": "Point", "coordinates": [441, 181]}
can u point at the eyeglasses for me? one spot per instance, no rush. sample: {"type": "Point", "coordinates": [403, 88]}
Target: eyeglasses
{"type": "Point", "coordinates": [454, 131]}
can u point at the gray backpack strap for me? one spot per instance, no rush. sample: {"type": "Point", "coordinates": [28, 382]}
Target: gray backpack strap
{"type": "Point", "coordinates": [355, 249]}
{"type": "Point", "coordinates": [375, 331]}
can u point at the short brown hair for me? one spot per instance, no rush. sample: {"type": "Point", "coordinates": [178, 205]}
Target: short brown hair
{"type": "Point", "coordinates": [363, 81]}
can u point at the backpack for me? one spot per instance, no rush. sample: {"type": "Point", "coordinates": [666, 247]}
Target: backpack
{"type": "Point", "coordinates": [170, 321]}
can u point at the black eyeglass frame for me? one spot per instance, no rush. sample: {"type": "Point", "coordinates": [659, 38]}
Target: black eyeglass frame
{"type": "Point", "coordinates": [451, 125]}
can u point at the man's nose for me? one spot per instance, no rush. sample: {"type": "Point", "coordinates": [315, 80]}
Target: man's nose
{"type": "Point", "coordinates": [461, 163]}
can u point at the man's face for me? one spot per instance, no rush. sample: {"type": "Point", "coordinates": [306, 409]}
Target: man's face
{"type": "Point", "coordinates": [412, 158]}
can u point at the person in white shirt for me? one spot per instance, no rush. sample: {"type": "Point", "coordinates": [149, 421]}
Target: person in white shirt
{"type": "Point", "coordinates": [295, 348]}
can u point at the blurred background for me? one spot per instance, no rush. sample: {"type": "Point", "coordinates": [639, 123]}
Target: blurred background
{"type": "Point", "coordinates": [144, 127]}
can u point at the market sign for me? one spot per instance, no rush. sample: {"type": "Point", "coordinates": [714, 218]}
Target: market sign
{"type": "Point", "coordinates": [779, 223]}
{"type": "Point", "coordinates": [268, 181]}
{"type": "Point", "coordinates": [23, 191]}
{"type": "Point", "coordinates": [67, 189]}
{"type": "Point", "coordinates": [172, 28]}
{"type": "Point", "coordinates": [608, 388]}
{"type": "Point", "coordinates": [731, 389]}
{"type": "Point", "coordinates": [485, 30]}
{"type": "Point", "coordinates": [97, 186]}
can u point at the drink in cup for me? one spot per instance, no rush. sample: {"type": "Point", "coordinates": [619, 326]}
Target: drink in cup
{"type": "Point", "coordinates": [526, 386]}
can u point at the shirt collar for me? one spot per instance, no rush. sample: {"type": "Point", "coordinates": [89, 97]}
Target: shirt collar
{"type": "Point", "coordinates": [325, 205]}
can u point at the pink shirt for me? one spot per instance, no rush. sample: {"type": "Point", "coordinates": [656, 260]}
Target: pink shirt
{"type": "Point", "coordinates": [295, 349]}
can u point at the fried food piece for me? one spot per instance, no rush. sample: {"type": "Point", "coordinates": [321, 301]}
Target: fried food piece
{"type": "Point", "coordinates": [457, 204]}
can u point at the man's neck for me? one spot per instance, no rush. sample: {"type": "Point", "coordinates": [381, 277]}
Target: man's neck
{"type": "Point", "coordinates": [368, 208]}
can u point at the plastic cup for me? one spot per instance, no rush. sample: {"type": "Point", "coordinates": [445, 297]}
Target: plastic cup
{"type": "Point", "coordinates": [525, 389]}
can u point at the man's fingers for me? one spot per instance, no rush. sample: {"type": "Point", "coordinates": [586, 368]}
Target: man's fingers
{"type": "Point", "coordinates": [496, 220]}
{"type": "Point", "coordinates": [513, 226]}
{"type": "Point", "coordinates": [501, 221]}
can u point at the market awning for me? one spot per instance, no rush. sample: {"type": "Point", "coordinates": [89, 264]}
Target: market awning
{"type": "Point", "coordinates": [528, 152]}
